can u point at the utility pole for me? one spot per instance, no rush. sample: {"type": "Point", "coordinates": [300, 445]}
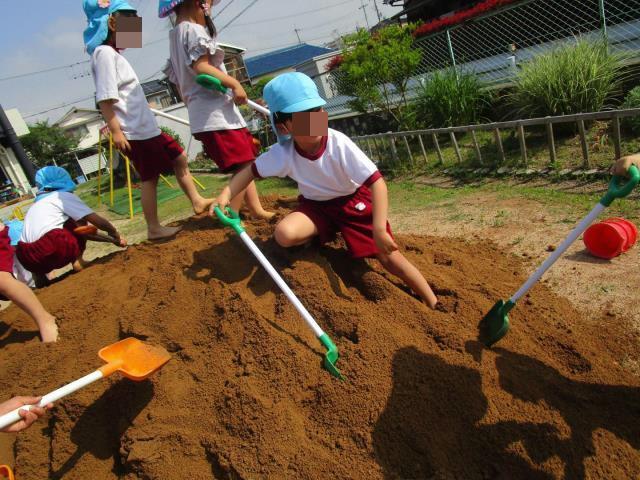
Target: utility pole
{"type": "Point", "coordinates": [375, 4]}
{"type": "Point", "coordinates": [297, 30]}
{"type": "Point", "coordinates": [363, 8]}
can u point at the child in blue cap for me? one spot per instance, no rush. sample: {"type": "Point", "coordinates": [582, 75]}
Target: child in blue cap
{"type": "Point", "coordinates": [341, 188]}
{"type": "Point", "coordinates": [214, 118]}
{"type": "Point", "coordinates": [127, 113]}
{"type": "Point", "coordinates": [48, 240]}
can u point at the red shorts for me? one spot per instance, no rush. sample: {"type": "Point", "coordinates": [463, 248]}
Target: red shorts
{"type": "Point", "coordinates": [55, 249]}
{"type": "Point", "coordinates": [229, 148]}
{"type": "Point", "coordinates": [6, 252]}
{"type": "Point", "coordinates": [351, 215]}
{"type": "Point", "coordinates": [154, 156]}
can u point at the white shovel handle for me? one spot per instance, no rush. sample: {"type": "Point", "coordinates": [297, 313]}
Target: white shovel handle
{"type": "Point", "coordinates": [259, 108]}
{"type": "Point", "coordinates": [282, 284]}
{"type": "Point", "coordinates": [573, 236]}
{"type": "Point", "coordinates": [170, 117]}
{"type": "Point", "coordinates": [13, 416]}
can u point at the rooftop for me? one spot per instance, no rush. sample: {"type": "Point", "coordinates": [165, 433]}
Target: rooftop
{"type": "Point", "coordinates": [283, 58]}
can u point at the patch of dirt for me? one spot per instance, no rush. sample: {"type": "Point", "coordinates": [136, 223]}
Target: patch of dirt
{"type": "Point", "coordinates": [245, 397]}
{"type": "Point", "coordinates": [531, 231]}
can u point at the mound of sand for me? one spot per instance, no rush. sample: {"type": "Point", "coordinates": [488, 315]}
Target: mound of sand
{"type": "Point", "coordinates": [245, 397]}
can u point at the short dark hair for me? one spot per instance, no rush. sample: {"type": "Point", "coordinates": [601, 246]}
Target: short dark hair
{"type": "Point", "coordinates": [281, 117]}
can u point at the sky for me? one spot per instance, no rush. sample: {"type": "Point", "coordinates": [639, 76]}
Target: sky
{"type": "Point", "coordinates": [37, 36]}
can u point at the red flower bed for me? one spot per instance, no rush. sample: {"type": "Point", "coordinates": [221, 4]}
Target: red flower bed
{"type": "Point", "coordinates": [460, 17]}
{"type": "Point", "coordinates": [334, 63]}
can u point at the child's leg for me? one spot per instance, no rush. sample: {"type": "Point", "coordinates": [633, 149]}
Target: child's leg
{"type": "Point", "coordinates": [398, 265]}
{"type": "Point", "coordinates": [149, 200]}
{"type": "Point", "coordinates": [25, 299]}
{"type": "Point", "coordinates": [253, 203]}
{"type": "Point", "coordinates": [295, 229]}
{"type": "Point", "coordinates": [185, 179]}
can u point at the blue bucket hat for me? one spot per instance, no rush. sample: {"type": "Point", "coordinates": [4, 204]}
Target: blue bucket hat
{"type": "Point", "coordinates": [15, 230]}
{"type": "Point", "coordinates": [290, 93]}
{"type": "Point", "coordinates": [53, 179]}
{"type": "Point", "coordinates": [165, 7]}
{"type": "Point", "coordinates": [97, 12]}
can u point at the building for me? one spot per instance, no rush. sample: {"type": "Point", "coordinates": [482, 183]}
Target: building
{"type": "Point", "coordinates": [316, 68]}
{"type": "Point", "coordinates": [13, 180]}
{"type": "Point", "coordinates": [425, 10]}
{"type": "Point", "coordinates": [282, 61]}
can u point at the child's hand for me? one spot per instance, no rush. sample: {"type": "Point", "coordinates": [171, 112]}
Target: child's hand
{"type": "Point", "coordinates": [622, 166]}
{"type": "Point", "coordinates": [239, 95]}
{"type": "Point", "coordinates": [121, 142]}
{"type": "Point", "coordinates": [28, 416]}
{"type": "Point", "coordinates": [119, 240]}
{"type": "Point", "coordinates": [384, 242]}
{"type": "Point", "coordinates": [222, 201]}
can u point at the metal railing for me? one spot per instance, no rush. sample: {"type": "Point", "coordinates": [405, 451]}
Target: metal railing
{"type": "Point", "coordinates": [394, 148]}
{"type": "Point", "coordinates": [491, 46]}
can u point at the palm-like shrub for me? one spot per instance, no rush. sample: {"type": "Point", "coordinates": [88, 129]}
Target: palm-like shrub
{"type": "Point", "coordinates": [578, 78]}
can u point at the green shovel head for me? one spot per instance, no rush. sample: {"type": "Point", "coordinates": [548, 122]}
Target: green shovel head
{"type": "Point", "coordinates": [495, 324]}
{"type": "Point", "coordinates": [331, 357]}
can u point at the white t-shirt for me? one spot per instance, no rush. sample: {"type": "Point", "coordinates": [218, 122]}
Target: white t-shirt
{"type": "Point", "coordinates": [208, 110]}
{"type": "Point", "coordinates": [115, 80]}
{"type": "Point", "coordinates": [338, 172]}
{"type": "Point", "coordinates": [51, 213]}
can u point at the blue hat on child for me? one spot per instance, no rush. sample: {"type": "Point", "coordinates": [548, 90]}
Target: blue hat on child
{"type": "Point", "coordinates": [165, 7]}
{"type": "Point", "coordinates": [97, 12]}
{"type": "Point", "coordinates": [53, 179]}
{"type": "Point", "coordinates": [290, 93]}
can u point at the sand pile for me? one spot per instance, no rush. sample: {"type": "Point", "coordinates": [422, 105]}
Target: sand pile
{"type": "Point", "coordinates": [245, 397]}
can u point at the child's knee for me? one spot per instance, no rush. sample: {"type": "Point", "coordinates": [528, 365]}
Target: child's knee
{"type": "Point", "coordinates": [285, 235]}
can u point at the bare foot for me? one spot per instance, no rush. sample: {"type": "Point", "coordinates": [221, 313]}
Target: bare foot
{"type": "Point", "coordinates": [162, 233]}
{"type": "Point", "coordinates": [263, 215]}
{"type": "Point", "coordinates": [79, 265]}
{"type": "Point", "coordinates": [201, 206]}
{"type": "Point", "coordinates": [49, 330]}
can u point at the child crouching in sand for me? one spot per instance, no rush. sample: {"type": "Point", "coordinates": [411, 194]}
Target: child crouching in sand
{"type": "Point", "coordinates": [48, 240]}
{"type": "Point", "coordinates": [341, 188]}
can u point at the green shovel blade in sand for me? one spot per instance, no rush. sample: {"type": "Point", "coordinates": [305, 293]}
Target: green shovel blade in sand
{"type": "Point", "coordinates": [331, 356]}
{"type": "Point", "coordinates": [495, 324]}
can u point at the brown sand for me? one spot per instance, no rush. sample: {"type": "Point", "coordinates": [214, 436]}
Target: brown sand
{"type": "Point", "coordinates": [245, 397]}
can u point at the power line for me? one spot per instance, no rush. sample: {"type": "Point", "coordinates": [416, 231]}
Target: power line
{"type": "Point", "coordinates": [238, 15]}
{"type": "Point", "coordinates": [284, 17]}
{"type": "Point", "coordinates": [66, 104]}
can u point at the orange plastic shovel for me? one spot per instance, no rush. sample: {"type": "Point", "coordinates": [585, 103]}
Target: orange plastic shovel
{"type": "Point", "coordinates": [90, 232]}
{"type": "Point", "coordinates": [5, 472]}
{"type": "Point", "coordinates": [131, 357]}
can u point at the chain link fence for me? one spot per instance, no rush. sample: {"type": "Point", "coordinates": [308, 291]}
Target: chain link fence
{"type": "Point", "coordinates": [492, 46]}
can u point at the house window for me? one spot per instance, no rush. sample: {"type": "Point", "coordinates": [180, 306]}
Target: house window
{"type": "Point", "coordinates": [78, 132]}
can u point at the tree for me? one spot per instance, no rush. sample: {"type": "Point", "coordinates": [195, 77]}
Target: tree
{"type": "Point", "coordinates": [375, 69]}
{"type": "Point", "coordinates": [256, 91]}
{"type": "Point", "coordinates": [46, 143]}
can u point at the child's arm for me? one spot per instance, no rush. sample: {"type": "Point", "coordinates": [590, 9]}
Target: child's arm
{"type": "Point", "coordinates": [202, 65]}
{"type": "Point", "coordinates": [623, 165]}
{"type": "Point", "coordinates": [28, 416]}
{"type": "Point", "coordinates": [106, 226]}
{"type": "Point", "coordinates": [380, 201]}
{"type": "Point", "coordinates": [238, 183]}
{"type": "Point", "coordinates": [120, 141]}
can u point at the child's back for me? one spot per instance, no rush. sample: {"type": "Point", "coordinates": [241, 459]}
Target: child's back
{"type": "Point", "coordinates": [207, 111]}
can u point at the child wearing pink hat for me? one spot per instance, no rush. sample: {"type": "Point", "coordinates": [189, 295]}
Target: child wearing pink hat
{"type": "Point", "coordinates": [215, 119]}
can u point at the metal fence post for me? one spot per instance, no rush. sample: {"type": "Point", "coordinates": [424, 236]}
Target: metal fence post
{"type": "Point", "coordinates": [450, 45]}
{"type": "Point", "coordinates": [603, 18]}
